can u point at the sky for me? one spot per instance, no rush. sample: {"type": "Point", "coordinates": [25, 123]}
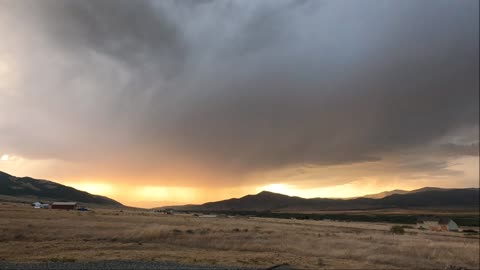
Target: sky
{"type": "Point", "coordinates": [169, 102]}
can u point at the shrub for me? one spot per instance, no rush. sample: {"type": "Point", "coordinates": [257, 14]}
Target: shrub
{"type": "Point", "coordinates": [203, 231]}
{"type": "Point", "coordinates": [397, 229]}
{"type": "Point", "coordinates": [19, 236]}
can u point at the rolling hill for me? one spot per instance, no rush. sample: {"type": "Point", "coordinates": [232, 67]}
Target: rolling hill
{"type": "Point", "coordinates": [26, 187]}
{"type": "Point", "coordinates": [424, 198]}
{"type": "Point", "coordinates": [400, 191]}
{"type": "Point", "coordinates": [385, 194]}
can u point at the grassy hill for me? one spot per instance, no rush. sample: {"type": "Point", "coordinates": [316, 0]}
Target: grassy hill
{"type": "Point", "coordinates": [30, 188]}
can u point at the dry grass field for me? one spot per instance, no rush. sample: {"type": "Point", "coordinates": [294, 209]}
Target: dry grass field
{"type": "Point", "coordinates": [33, 235]}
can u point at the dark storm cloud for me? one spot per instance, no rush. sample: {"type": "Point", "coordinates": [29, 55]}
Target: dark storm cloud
{"type": "Point", "coordinates": [133, 32]}
{"type": "Point", "coordinates": [242, 86]}
{"type": "Point", "coordinates": [460, 149]}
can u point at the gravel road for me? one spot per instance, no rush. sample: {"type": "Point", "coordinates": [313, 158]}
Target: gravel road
{"type": "Point", "coordinates": [118, 265]}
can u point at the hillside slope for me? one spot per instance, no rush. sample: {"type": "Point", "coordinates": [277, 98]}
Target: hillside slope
{"type": "Point", "coordinates": [42, 189]}
{"type": "Point", "coordinates": [384, 194]}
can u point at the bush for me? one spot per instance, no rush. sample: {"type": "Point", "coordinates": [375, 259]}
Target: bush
{"type": "Point", "coordinates": [397, 229]}
{"type": "Point", "coordinates": [19, 236]}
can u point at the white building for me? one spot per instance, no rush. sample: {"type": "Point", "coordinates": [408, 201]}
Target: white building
{"type": "Point", "coordinates": [437, 224]}
{"type": "Point", "coordinates": [448, 225]}
{"type": "Point", "coordinates": [38, 205]}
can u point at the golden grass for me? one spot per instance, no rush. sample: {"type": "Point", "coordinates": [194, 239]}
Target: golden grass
{"type": "Point", "coordinates": [28, 234]}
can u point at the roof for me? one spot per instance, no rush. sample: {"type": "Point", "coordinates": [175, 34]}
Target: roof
{"type": "Point", "coordinates": [427, 219]}
{"type": "Point", "coordinates": [64, 203]}
{"type": "Point", "coordinates": [442, 220]}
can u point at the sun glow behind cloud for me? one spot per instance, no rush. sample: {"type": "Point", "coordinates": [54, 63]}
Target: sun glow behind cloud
{"type": "Point", "coordinates": [279, 188]}
{"type": "Point", "coordinates": [104, 189]}
{"type": "Point", "coordinates": [156, 193]}
{"type": "Point", "coordinates": [309, 184]}
{"type": "Point", "coordinates": [357, 188]}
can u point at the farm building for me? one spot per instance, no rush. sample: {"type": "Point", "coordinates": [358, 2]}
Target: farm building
{"type": "Point", "coordinates": [39, 205]}
{"type": "Point", "coordinates": [437, 224]}
{"type": "Point", "coordinates": [448, 225]}
{"type": "Point", "coordinates": [64, 205]}
{"type": "Point", "coordinates": [36, 204]}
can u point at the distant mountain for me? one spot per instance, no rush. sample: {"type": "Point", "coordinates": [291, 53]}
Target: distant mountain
{"type": "Point", "coordinates": [423, 198]}
{"type": "Point", "coordinates": [47, 190]}
{"type": "Point", "coordinates": [385, 194]}
{"type": "Point", "coordinates": [399, 191]}
{"type": "Point", "coordinates": [261, 201]}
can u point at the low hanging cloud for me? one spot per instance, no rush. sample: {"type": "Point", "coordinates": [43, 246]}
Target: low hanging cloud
{"type": "Point", "coordinates": [229, 88]}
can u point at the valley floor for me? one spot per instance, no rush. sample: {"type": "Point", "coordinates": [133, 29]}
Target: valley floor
{"type": "Point", "coordinates": [45, 235]}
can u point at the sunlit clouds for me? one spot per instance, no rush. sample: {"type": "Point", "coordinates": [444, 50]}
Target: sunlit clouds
{"type": "Point", "coordinates": [130, 99]}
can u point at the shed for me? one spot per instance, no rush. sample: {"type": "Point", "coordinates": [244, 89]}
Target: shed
{"type": "Point", "coordinates": [64, 205]}
{"type": "Point", "coordinates": [447, 224]}
{"type": "Point", "coordinates": [437, 224]}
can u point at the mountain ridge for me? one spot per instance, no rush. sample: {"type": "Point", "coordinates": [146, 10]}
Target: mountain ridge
{"type": "Point", "coordinates": [40, 189]}
{"type": "Point", "coordinates": [384, 194]}
{"type": "Point", "coordinates": [427, 197]}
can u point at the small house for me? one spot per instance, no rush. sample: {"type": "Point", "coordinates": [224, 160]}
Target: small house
{"type": "Point", "coordinates": [64, 205]}
{"type": "Point", "coordinates": [437, 224]}
{"type": "Point", "coordinates": [447, 224]}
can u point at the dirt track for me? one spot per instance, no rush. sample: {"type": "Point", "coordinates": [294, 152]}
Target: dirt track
{"type": "Point", "coordinates": [104, 265]}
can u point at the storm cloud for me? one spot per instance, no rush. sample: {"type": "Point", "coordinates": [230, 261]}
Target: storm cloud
{"type": "Point", "coordinates": [231, 88]}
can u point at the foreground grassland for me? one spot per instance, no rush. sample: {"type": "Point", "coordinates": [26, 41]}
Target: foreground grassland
{"type": "Point", "coordinates": [33, 235]}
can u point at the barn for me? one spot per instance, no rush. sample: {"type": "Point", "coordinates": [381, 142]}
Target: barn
{"type": "Point", "coordinates": [64, 205]}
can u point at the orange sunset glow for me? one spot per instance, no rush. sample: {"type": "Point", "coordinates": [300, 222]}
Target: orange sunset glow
{"type": "Point", "coordinates": [150, 194]}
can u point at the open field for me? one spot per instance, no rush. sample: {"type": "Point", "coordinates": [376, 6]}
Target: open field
{"type": "Point", "coordinates": [466, 218]}
{"type": "Point", "coordinates": [395, 211]}
{"type": "Point", "coordinates": [36, 235]}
